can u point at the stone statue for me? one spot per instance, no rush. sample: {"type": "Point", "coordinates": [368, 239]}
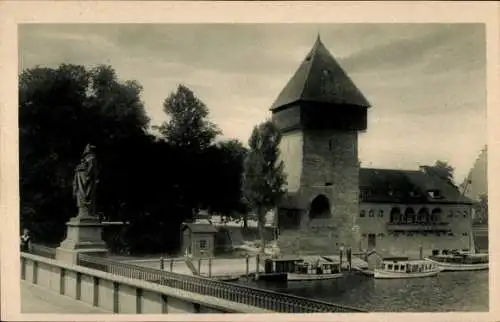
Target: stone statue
{"type": "Point", "coordinates": [85, 182]}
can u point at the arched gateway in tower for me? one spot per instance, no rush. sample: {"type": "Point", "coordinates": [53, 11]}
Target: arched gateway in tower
{"type": "Point", "coordinates": [319, 113]}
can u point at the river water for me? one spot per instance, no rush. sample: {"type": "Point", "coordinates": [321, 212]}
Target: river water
{"type": "Point", "coordinates": [449, 291]}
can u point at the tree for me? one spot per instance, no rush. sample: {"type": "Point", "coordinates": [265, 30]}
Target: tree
{"type": "Point", "coordinates": [481, 209]}
{"type": "Point", "coordinates": [192, 134]}
{"type": "Point", "coordinates": [60, 111]}
{"type": "Point", "coordinates": [188, 126]}
{"type": "Point", "coordinates": [264, 177]}
{"type": "Point", "coordinates": [223, 177]}
{"type": "Point", "coordinates": [442, 170]}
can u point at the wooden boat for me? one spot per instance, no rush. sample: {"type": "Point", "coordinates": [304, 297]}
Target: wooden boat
{"type": "Point", "coordinates": [299, 269]}
{"type": "Point", "coordinates": [405, 268]}
{"type": "Point", "coordinates": [460, 261]}
{"type": "Point", "coordinates": [315, 270]}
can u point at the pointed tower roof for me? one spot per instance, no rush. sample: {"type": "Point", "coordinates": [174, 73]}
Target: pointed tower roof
{"type": "Point", "coordinates": [320, 79]}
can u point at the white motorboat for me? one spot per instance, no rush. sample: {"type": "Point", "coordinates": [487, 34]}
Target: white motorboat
{"type": "Point", "coordinates": [460, 261]}
{"type": "Point", "coordinates": [405, 268]}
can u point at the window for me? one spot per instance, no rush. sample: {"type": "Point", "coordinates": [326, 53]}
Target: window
{"type": "Point", "coordinates": [381, 213]}
{"type": "Point", "coordinates": [203, 244]}
{"type": "Point", "coordinates": [330, 144]}
{"type": "Point", "coordinates": [396, 267]}
{"type": "Point", "coordinates": [371, 214]}
{"type": "Point", "coordinates": [362, 213]}
{"type": "Point", "coordinates": [465, 234]}
{"type": "Point", "coordinates": [465, 214]}
{"type": "Point", "coordinates": [434, 194]}
{"type": "Point", "coordinates": [389, 266]}
{"type": "Point", "coordinates": [450, 234]}
{"type": "Point", "coordinates": [327, 184]}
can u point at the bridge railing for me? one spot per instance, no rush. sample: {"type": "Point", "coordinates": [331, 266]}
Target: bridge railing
{"type": "Point", "coordinates": [119, 294]}
{"type": "Point", "coordinates": [244, 294]}
{"type": "Point", "coordinates": [43, 251]}
{"type": "Point", "coordinates": [261, 298]}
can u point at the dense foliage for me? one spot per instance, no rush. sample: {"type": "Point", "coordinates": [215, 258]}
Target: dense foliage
{"type": "Point", "coordinates": [153, 183]}
{"type": "Point", "coordinates": [442, 170]}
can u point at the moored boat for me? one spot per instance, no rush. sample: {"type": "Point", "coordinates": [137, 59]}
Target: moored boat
{"type": "Point", "coordinates": [300, 269]}
{"type": "Point", "coordinates": [460, 261]}
{"type": "Point", "coordinates": [405, 268]}
{"type": "Point", "coordinates": [318, 269]}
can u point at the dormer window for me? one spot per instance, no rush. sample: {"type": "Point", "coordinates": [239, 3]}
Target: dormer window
{"type": "Point", "coordinates": [434, 194]}
{"type": "Point", "coordinates": [414, 194]}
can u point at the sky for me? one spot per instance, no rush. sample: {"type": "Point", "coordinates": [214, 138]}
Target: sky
{"type": "Point", "coordinates": [426, 82]}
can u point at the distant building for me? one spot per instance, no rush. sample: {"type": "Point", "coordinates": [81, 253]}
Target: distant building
{"type": "Point", "coordinates": [476, 182]}
{"type": "Point", "coordinates": [401, 210]}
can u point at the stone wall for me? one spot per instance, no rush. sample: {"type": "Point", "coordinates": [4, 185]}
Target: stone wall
{"type": "Point", "coordinates": [291, 154]}
{"type": "Point", "coordinates": [330, 168]}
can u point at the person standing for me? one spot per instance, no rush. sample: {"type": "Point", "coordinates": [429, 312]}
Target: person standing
{"type": "Point", "coordinates": [25, 241]}
{"type": "Point", "coordinates": [349, 257]}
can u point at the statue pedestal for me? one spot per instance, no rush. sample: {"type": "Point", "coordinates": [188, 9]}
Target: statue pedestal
{"type": "Point", "coordinates": [83, 237]}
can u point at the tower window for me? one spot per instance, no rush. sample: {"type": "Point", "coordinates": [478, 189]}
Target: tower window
{"type": "Point", "coordinates": [370, 213]}
{"type": "Point", "coordinates": [330, 144]}
{"type": "Point", "coordinates": [362, 213]}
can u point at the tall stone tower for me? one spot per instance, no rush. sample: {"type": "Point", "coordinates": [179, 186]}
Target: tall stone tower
{"type": "Point", "coordinates": [319, 113]}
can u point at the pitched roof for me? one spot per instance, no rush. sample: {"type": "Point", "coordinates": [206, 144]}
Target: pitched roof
{"type": "Point", "coordinates": [406, 186]}
{"type": "Point", "coordinates": [199, 228]}
{"type": "Point", "coordinates": [320, 79]}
